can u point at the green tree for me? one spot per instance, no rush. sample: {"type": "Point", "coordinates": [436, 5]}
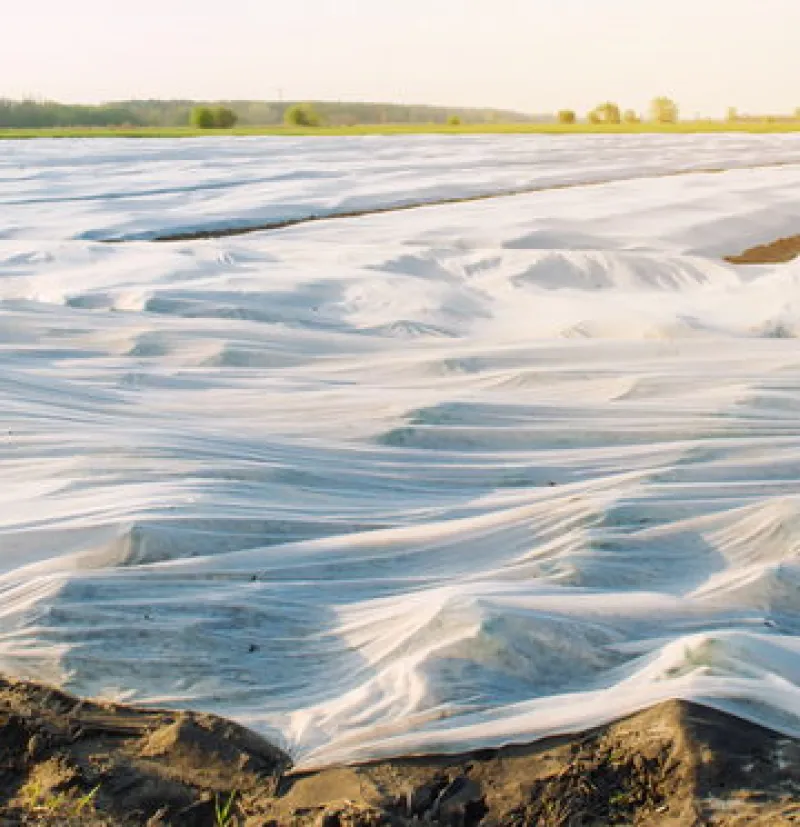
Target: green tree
{"type": "Point", "coordinates": [302, 114]}
{"type": "Point", "coordinates": [224, 117]}
{"type": "Point", "coordinates": [631, 116]}
{"type": "Point", "coordinates": [733, 114]}
{"type": "Point", "coordinates": [202, 117]}
{"type": "Point", "coordinates": [567, 116]}
{"type": "Point", "coordinates": [664, 110]}
{"type": "Point", "coordinates": [454, 120]}
{"type": "Point", "coordinates": [606, 113]}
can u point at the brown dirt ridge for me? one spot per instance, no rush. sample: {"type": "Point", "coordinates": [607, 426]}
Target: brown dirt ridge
{"type": "Point", "coordinates": [66, 762]}
{"type": "Point", "coordinates": [776, 252]}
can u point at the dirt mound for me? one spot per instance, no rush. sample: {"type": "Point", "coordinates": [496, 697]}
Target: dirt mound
{"type": "Point", "coordinates": [778, 252]}
{"type": "Point", "coordinates": [66, 762]}
{"type": "Point", "coordinates": [69, 762]}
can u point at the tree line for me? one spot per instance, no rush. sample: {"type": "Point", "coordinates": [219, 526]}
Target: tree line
{"type": "Point", "coordinates": [38, 114]}
{"type": "Point", "coordinates": [304, 115]}
{"type": "Point", "coordinates": [28, 114]}
{"type": "Point", "coordinates": [662, 111]}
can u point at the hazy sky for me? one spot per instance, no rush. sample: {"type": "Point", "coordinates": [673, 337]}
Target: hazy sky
{"type": "Point", "coordinates": [532, 55]}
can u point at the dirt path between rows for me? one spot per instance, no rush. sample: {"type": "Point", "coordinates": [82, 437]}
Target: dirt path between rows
{"type": "Point", "coordinates": [66, 762]}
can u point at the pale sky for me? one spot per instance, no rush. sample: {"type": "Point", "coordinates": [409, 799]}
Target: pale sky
{"type": "Point", "coordinates": [530, 55]}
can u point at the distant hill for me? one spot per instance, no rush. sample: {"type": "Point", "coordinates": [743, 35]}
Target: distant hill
{"type": "Point", "coordinates": [30, 114]}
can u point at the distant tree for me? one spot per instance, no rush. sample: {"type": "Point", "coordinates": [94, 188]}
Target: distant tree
{"type": "Point", "coordinates": [630, 116]}
{"type": "Point", "coordinates": [302, 114]}
{"type": "Point", "coordinates": [797, 114]}
{"type": "Point", "coordinates": [567, 116]}
{"type": "Point", "coordinates": [606, 113]}
{"type": "Point", "coordinates": [213, 117]}
{"type": "Point", "coordinates": [664, 110]}
{"type": "Point", "coordinates": [733, 114]}
{"type": "Point", "coordinates": [454, 120]}
{"type": "Point", "coordinates": [224, 117]}
{"type": "Point", "coordinates": [202, 117]}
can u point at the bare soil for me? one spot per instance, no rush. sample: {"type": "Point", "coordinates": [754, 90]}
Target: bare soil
{"type": "Point", "coordinates": [777, 252]}
{"type": "Point", "coordinates": [69, 762]}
